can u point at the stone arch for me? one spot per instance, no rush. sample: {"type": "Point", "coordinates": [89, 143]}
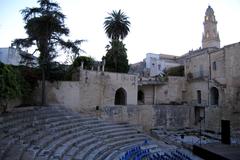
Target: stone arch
{"type": "Point", "coordinates": [214, 94]}
{"type": "Point", "coordinates": [120, 97]}
{"type": "Point", "coordinates": [140, 97]}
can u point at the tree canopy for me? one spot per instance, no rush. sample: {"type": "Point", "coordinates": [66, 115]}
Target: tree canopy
{"type": "Point", "coordinates": [45, 28]}
{"type": "Point", "coordinates": [116, 58]}
{"type": "Point", "coordinates": [176, 71]}
{"type": "Point", "coordinates": [116, 27]}
{"type": "Point", "coordinates": [88, 62]}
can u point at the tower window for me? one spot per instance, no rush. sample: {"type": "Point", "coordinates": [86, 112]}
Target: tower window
{"type": "Point", "coordinates": [214, 65]}
{"type": "Point", "coordinates": [206, 18]}
{"type": "Point", "coordinates": [199, 97]}
{"type": "Point", "coordinates": [207, 35]}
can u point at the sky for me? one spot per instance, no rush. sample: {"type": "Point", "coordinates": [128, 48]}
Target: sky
{"type": "Point", "coordinates": [157, 26]}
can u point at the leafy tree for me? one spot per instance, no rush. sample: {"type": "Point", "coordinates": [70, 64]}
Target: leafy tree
{"type": "Point", "coordinates": [88, 62]}
{"type": "Point", "coordinates": [45, 26]}
{"type": "Point", "coordinates": [29, 81]}
{"type": "Point", "coordinates": [57, 72]}
{"type": "Point", "coordinates": [116, 58]}
{"type": "Point", "coordinates": [117, 28]}
{"type": "Point", "coordinates": [10, 87]}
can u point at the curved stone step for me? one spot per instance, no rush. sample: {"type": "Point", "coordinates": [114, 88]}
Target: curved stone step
{"type": "Point", "coordinates": [106, 142]}
{"type": "Point", "coordinates": [115, 155]}
{"type": "Point", "coordinates": [40, 136]}
{"type": "Point", "coordinates": [113, 145]}
{"type": "Point", "coordinates": [53, 140]}
{"type": "Point", "coordinates": [115, 130]}
{"type": "Point", "coordinates": [58, 133]}
{"type": "Point", "coordinates": [62, 149]}
{"type": "Point", "coordinates": [79, 147]}
{"type": "Point", "coordinates": [114, 150]}
{"type": "Point", "coordinates": [55, 129]}
{"type": "Point", "coordinates": [107, 127]}
{"type": "Point", "coordinates": [14, 152]}
{"type": "Point", "coordinates": [19, 134]}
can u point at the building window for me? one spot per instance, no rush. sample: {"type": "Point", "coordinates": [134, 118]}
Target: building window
{"type": "Point", "coordinates": [214, 96]}
{"type": "Point", "coordinates": [159, 67]}
{"type": "Point", "coordinates": [199, 97]}
{"type": "Point", "coordinates": [214, 65]}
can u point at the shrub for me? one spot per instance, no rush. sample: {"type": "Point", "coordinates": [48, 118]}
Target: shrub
{"type": "Point", "coordinates": [176, 71]}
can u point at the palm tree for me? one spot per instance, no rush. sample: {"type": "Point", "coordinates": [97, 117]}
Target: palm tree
{"type": "Point", "coordinates": [117, 28]}
{"type": "Point", "coordinates": [116, 25]}
{"type": "Point", "coordinates": [44, 26]}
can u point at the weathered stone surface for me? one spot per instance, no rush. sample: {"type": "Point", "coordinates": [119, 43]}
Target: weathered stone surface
{"type": "Point", "coordinates": [59, 133]}
{"type": "Point", "coordinates": [150, 116]}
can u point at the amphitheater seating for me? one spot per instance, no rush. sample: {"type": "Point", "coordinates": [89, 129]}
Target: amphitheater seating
{"type": "Point", "coordinates": [57, 133]}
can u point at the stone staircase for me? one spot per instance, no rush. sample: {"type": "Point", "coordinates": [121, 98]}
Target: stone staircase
{"type": "Point", "coordinates": [57, 133]}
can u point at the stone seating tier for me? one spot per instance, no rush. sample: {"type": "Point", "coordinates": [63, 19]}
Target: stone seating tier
{"type": "Point", "coordinates": [57, 133]}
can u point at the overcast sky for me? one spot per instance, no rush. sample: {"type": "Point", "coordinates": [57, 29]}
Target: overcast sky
{"type": "Point", "coordinates": [157, 26]}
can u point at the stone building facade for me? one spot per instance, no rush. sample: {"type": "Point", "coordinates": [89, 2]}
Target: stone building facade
{"type": "Point", "coordinates": [211, 83]}
{"type": "Point", "coordinates": [154, 65]}
{"type": "Point", "coordinates": [208, 93]}
{"type": "Point", "coordinates": [211, 77]}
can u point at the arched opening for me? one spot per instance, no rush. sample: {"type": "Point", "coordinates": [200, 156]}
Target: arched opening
{"type": "Point", "coordinates": [140, 97]}
{"type": "Point", "coordinates": [214, 96]}
{"type": "Point", "coordinates": [120, 97]}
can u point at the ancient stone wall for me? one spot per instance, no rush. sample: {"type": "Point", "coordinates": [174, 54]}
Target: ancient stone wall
{"type": "Point", "coordinates": [172, 92]}
{"type": "Point", "coordinates": [232, 64]}
{"type": "Point", "coordinates": [150, 116]}
{"type": "Point", "coordinates": [218, 69]}
{"type": "Point", "coordinates": [164, 93]}
{"type": "Point", "coordinates": [93, 89]}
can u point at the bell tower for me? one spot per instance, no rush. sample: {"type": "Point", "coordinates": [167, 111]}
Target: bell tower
{"type": "Point", "coordinates": [210, 36]}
